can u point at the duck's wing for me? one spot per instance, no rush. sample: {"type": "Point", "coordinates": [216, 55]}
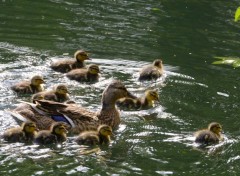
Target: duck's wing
{"type": "Point", "coordinates": [72, 111]}
{"type": "Point", "coordinates": [27, 112]}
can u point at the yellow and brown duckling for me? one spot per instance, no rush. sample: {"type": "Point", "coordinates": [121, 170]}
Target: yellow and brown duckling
{"type": "Point", "coordinates": [210, 135]}
{"type": "Point", "coordinates": [29, 87]}
{"type": "Point", "coordinates": [58, 94]}
{"type": "Point", "coordinates": [89, 74]}
{"type": "Point", "coordinates": [145, 102]}
{"type": "Point", "coordinates": [151, 72]}
{"type": "Point", "coordinates": [25, 133]}
{"type": "Point", "coordinates": [99, 137]}
{"type": "Point", "coordinates": [57, 134]}
{"type": "Point", "coordinates": [79, 118]}
{"type": "Point", "coordinates": [66, 65]}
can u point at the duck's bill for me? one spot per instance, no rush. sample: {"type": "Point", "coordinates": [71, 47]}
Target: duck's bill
{"type": "Point", "coordinates": [130, 95]}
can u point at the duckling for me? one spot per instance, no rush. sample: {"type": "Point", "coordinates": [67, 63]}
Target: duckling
{"type": "Point", "coordinates": [151, 72]}
{"type": "Point", "coordinates": [101, 136]}
{"type": "Point", "coordinates": [66, 65]}
{"type": "Point", "coordinates": [145, 102]}
{"type": "Point", "coordinates": [91, 74]}
{"type": "Point", "coordinates": [57, 134]}
{"type": "Point", "coordinates": [59, 94]}
{"type": "Point", "coordinates": [29, 87]}
{"type": "Point", "coordinates": [77, 117]}
{"type": "Point", "coordinates": [25, 133]}
{"type": "Point", "coordinates": [210, 135]}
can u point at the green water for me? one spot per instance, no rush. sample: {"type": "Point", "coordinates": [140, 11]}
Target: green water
{"type": "Point", "coordinates": [122, 36]}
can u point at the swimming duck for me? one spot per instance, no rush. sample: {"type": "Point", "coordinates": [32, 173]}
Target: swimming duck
{"type": "Point", "coordinates": [59, 94]}
{"type": "Point", "coordinates": [145, 102]}
{"type": "Point", "coordinates": [151, 72]}
{"type": "Point", "coordinates": [89, 74]}
{"type": "Point", "coordinates": [25, 133]}
{"type": "Point", "coordinates": [210, 135]}
{"type": "Point", "coordinates": [45, 112]}
{"type": "Point", "coordinates": [66, 65]}
{"type": "Point", "coordinates": [57, 134]}
{"type": "Point", "coordinates": [29, 87]}
{"type": "Point", "coordinates": [101, 136]}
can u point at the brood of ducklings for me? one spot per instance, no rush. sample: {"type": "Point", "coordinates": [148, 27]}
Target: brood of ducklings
{"type": "Point", "coordinates": [210, 135]}
{"type": "Point", "coordinates": [91, 74]}
{"type": "Point", "coordinates": [29, 87]}
{"type": "Point", "coordinates": [101, 136]}
{"type": "Point", "coordinates": [66, 65]}
{"type": "Point", "coordinates": [59, 94]}
{"type": "Point", "coordinates": [145, 102]}
{"type": "Point", "coordinates": [79, 118]}
{"type": "Point", "coordinates": [151, 72]}
{"type": "Point", "coordinates": [25, 133]}
{"type": "Point", "coordinates": [57, 134]}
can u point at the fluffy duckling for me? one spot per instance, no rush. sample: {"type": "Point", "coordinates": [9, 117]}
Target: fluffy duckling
{"type": "Point", "coordinates": [25, 133]}
{"type": "Point", "coordinates": [59, 94]}
{"type": "Point", "coordinates": [101, 136]}
{"type": "Point", "coordinates": [91, 74]}
{"type": "Point", "coordinates": [145, 102]}
{"type": "Point", "coordinates": [210, 135]}
{"type": "Point", "coordinates": [66, 65]}
{"type": "Point", "coordinates": [151, 72]}
{"type": "Point", "coordinates": [57, 134]}
{"type": "Point", "coordinates": [29, 87]}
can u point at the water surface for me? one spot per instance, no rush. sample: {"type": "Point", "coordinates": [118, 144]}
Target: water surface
{"type": "Point", "coordinates": [122, 36]}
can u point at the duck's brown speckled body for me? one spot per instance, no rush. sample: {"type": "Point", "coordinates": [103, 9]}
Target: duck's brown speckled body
{"type": "Point", "coordinates": [66, 65]}
{"type": "Point", "coordinates": [145, 102]}
{"type": "Point", "coordinates": [57, 134]}
{"type": "Point", "coordinates": [211, 135]}
{"type": "Point", "coordinates": [25, 133]}
{"type": "Point", "coordinates": [151, 72]}
{"type": "Point", "coordinates": [101, 136]}
{"type": "Point", "coordinates": [82, 118]}
{"type": "Point", "coordinates": [29, 87]}
{"type": "Point", "coordinates": [89, 74]}
{"type": "Point", "coordinates": [59, 94]}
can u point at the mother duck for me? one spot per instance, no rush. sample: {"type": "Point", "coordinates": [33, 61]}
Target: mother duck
{"type": "Point", "coordinates": [44, 113]}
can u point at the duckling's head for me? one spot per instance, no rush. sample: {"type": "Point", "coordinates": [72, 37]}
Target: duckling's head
{"type": "Point", "coordinates": [215, 127]}
{"type": "Point", "coordinates": [93, 69]}
{"type": "Point", "coordinates": [37, 80]}
{"type": "Point", "coordinates": [158, 63]}
{"type": "Point", "coordinates": [81, 55]}
{"type": "Point", "coordinates": [58, 129]}
{"type": "Point", "coordinates": [115, 90]}
{"type": "Point", "coordinates": [152, 95]}
{"type": "Point", "coordinates": [62, 89]}
{"type": "Point", "coordinates": [29, 127]}
{"type": "Point", "coordinates": [105, 130]}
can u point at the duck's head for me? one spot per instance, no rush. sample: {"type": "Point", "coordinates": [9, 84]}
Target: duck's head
{"type": "Point", "coordinates": [152, 95]}
{"type": "Point", "coordinates": [105, 130]}
{"type": "Point", "coordinates": [81, 55]}
{"type": "Point", "coordinates": [114, 91]}
{"type": "Point", "coordinates": [59, 129]}
{"type": "Point", "coordinates": [158, 63]}
{"type": "Point", "coordinates": [215, 128]}
{"type": "Point", "coordinates": [29, 127]}
{"type": "Point", "coordinates": [37, 80]}
{"type": "Point", "coordinates": [62, 89]}
{"type": "Point", "coordinates": [93, 69]}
